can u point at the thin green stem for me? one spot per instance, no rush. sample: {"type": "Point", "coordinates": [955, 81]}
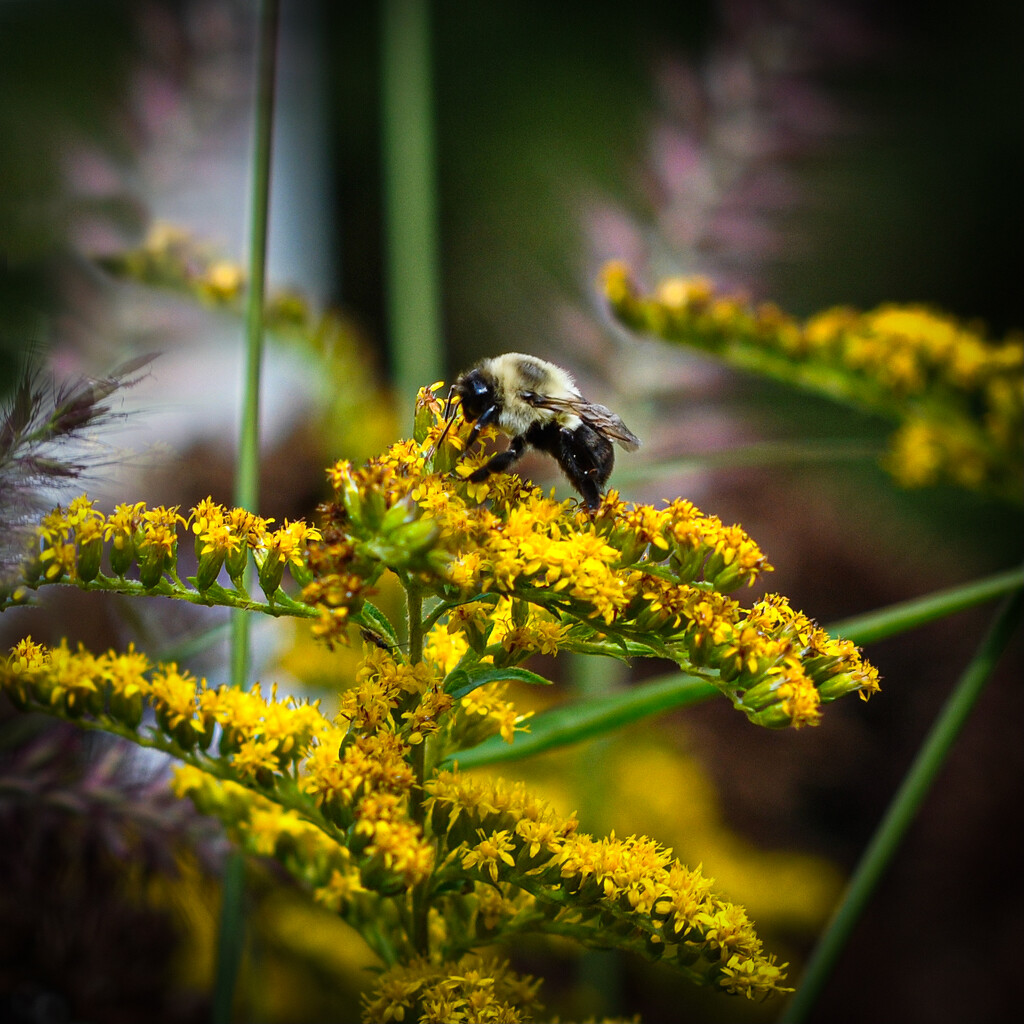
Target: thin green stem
{"type": "Point", "coordinates": [410, 200]}
{"type": "Point", "coordinates": [768, 453]}
{"type": "Point", "coordinates": [247, 478]}
{"type": "Point", "coordinates": [231, 938]}
{"type": "Point", "coordinates": [215, 596]}
{"type": "Point", "coordinates": [414, 598]}
{"type": "Point", "coordinates": [911, 794]}
{"type": "Point", "coordinates": [907, 615]}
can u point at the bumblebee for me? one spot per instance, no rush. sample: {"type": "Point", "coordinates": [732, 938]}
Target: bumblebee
{"type": "Point", "coordinates": [538, 405]}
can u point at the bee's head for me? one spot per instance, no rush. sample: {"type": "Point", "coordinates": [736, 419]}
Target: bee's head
{"type": "Point", "coordinates": [476, 392]}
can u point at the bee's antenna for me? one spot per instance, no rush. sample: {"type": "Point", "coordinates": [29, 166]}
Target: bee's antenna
{"type": "Point", "coordinates": [449, 419]}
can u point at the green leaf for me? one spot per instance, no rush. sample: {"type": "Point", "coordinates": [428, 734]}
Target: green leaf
{"type": "Point", "coordinates": [578, 722]}
{"type": "Point", "coordinates": [461, 681]}
{"type": "Point", "coordinates": [603, 649]}
{"type": "Point", "coordinates": [371, 616]}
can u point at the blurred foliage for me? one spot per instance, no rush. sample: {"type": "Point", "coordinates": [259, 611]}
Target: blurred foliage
{"type": "Point", "coordinates": [63, 73]}
{"type": "Point", "coordinates": [353, 412]}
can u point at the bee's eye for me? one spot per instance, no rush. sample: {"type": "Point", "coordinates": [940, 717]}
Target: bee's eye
{"type": "Point", "coordinates": [477, 395]}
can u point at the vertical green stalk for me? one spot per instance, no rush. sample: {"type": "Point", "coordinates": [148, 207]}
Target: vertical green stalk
{"type": "Point", "coordinates": [410, 199]}
{"type": "Point", "coordinates": [904, 807]}
{"type": "Point", "coordinates": [231, 937]}
{"type": "Point", "coordinates": [595, 678]}
{"type": "Point", "coordinates": [247, 478]}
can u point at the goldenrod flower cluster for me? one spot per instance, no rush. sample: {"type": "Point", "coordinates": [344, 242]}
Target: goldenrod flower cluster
{"type": "Point", "coordinates": [367, 810]}
{"type": "Point", "coordinates": [633, 579]}
{"type": "Point", "coordinates": [331, 802]}
{"type": "Point", "coordinates": [471, 989]}
{"type": "Point", "coordinates": [351, 785]}
{"type": "Point", "coordinates": [170, 256]}
{"type": "Point", "coordinates": [512, 843]}
{"type": "Point", "coordinates": [957, 396]}
{"type": "Point", "coordinates": [135, 548]}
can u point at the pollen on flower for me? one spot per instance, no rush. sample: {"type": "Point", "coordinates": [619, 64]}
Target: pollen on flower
{"type": "Point", "coordinates": [541, 633]}
{"type": "Point", "coordinates": [443, 648]}
{"type": "Point", "coordinates": [291, 540]}
{"type": "Point", "coordinates": [174, 694]}
{"type": "Point", "coordinates": [255, 757]}
{"type": "Point", "coordinates": [341, 888]}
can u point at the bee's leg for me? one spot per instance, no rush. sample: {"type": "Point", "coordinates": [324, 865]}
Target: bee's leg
{"type": "Point", "coordinates": [587, 459]}
{"type": "Point", "coordinates": [590, 492]}
{"type": "Point", "coordinates": [502, 461]}
{"type": "Point", "coordinates": [486, 418]}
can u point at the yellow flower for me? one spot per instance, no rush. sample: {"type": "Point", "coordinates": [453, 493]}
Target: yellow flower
{"type": "Point", "coordinates": [470, 989]}
{"type": "Point", "coordinates": [222, 282]}
{"type": "Point", "coordinates": [341, 889]}
{"type": "Point", "coordinates": [490, 853]}
{"type": "Point", "coordinates": [443, 648]}
{"type": "Point", "coordinates": [27, 655]}
{"type": "Point", "coordinates": [290, 541]}
{"type": "Point", "coordinates": [753, 977]}
{"type": "Point", "coordinates": [255, 758]}
{"type": "Point", "coordinates": [175, 697]}
{"type": "Point", "coordinates": [484, 713]}
{"type": "Point", "coordinates": [956, 396]}
{"type": "Point", "coordinates": [205, 515]}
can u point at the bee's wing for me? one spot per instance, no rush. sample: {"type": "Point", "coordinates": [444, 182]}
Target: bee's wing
{"type": "Point", "coordinates": [603, 420]}
{"type": "Point", "coordinates": [600, 417]}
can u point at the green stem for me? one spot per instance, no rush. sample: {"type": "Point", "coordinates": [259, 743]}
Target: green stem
{"type": "Point", "coordinates": [410, 200]}
{"type": "Point", "coordinates": [230, 937]}
{"type": "Point", "coordinates": [216, 596]}
{"type": "Point", "coordinates": [767, 453]}
{"type": "Point", "coordinates": [904, 807]}
{"type": "Point", "coordinates": [232, 927]}
{"type": "Point", "coordinates": [247, 478]}
{"type": "Point", "coordinates": [899, 618]}
{"type": "Point", "coordinates": [576, 723]}
{"type": "Point", "coordinates": [415, 608]}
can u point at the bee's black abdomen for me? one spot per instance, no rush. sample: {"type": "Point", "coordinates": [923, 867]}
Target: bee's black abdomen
{"type": "Point", "coordinates": [585, 456]}
{"type": "Point", "coordinates": [545, 437]}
